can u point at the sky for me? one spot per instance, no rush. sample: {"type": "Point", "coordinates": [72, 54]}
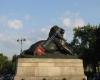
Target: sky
{"type": "Point", "coordinates": [32, 20]}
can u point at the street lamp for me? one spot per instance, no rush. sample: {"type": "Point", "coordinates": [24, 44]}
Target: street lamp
{"type": "Point", "coordinates": [21, 42]}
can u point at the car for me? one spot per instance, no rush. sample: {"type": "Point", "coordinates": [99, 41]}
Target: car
{"type": "Point", "coordinates": [8, 77]}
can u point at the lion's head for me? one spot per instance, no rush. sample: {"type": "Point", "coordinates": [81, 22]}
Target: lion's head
{"type": "Point", "coordinates": [54, 29]}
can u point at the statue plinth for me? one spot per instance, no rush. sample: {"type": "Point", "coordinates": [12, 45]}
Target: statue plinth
{"type": "Point", "coordinates": [49, 69]}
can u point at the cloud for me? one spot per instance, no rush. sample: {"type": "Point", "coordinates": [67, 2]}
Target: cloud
{"type": "Point", "coordinates": [46, 29]}
{"type": "Point", "coordinates": [79, 22]}
{"type": "Point", "coordinates": [39, 33]}
{"type": "Point", "coordinates": [3, 21]}
{"type": "Point", "coordinates": [15, 24]}
{"type": "Point", "coordinates": [43, 33]}
{"type": "Point", "coordinates": [2, 18]}
{"type": "Point", "coordinates": [6, 21]}
{"type": "Point", "coordinates": [9, 45]}
{"type": "Point", "coordinates": [67, 22]}
{"type": "Point", "coordinates": [72, 20]}
{"type": "Point", "coordinates": [7, 40]}
{"type": "Point", "coordinates": [28, 17]}
{"type": "Point", "coordinates": [43, 30]}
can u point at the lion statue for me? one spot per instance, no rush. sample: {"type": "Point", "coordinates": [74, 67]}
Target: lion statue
{"type": "Point", "coordinates": [54, 45]}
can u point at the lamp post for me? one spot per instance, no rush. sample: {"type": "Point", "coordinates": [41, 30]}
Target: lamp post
{"type": "Point", "coordinates": [21, 42]}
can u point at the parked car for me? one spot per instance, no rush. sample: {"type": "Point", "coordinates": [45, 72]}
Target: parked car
{"type": "Point", "coordinates": [8, 77]}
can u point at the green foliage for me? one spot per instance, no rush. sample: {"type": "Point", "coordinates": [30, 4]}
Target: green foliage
{"type": "Point", "coordinates": [3, 61]}
{"type": "Point", "coordinates": [84, 38]}
{"type": "Point", "coordinates": [86, 44]}
{"type": "Point", "coordinates": [7, 66]}
{"type": "Point", "coordinates": [14, 63]}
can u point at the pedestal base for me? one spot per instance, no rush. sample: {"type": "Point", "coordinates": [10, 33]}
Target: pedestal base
{"type": "Point", "coordinates": [49, 69]}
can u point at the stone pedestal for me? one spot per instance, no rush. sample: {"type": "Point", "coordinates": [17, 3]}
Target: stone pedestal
{"type": "Point", "coordinates": [49, 69]}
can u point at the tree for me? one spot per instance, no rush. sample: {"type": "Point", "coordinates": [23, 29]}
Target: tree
{"type": "Point", "coordinates": [85, 43]}
{"type": "Point", "coordinates": [14, 62]}
{"type": "Point", "coordinates": [7, 66]}
{"type": "Point", "coordinates": [3, 61]}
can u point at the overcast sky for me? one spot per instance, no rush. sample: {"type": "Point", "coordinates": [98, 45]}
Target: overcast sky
{"type": "Point", "coordinates": [32, 19]}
